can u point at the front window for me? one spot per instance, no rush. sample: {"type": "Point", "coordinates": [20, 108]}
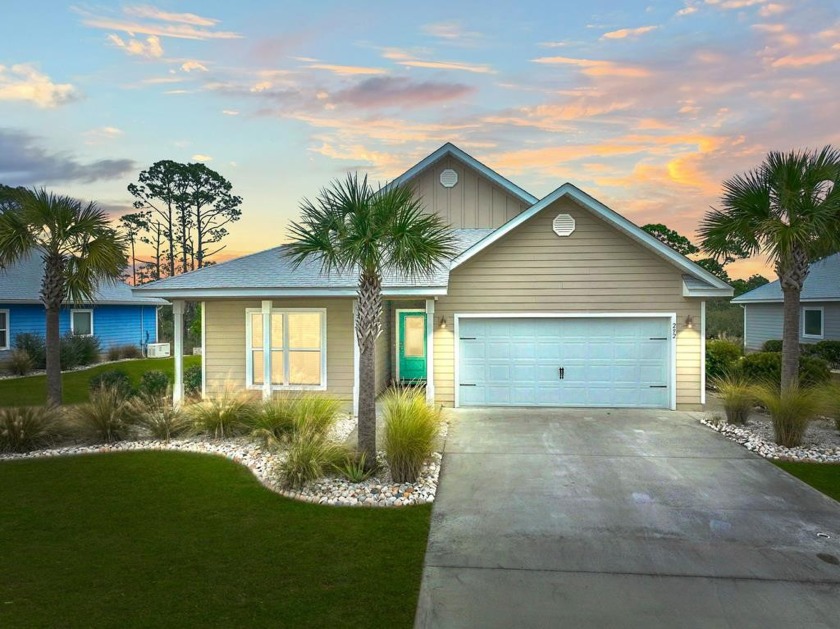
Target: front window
{"type": "Point", "coordinates": [81, 322]}
{"type": "Point", "coordinates": [812, 322]}
{"type": "Point", "coordinates": [296, 343]}
{"type": "Point", "coordinates": [4, 329]}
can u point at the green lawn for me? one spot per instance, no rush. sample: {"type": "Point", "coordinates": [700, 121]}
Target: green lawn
{"type": "Point", "coordinates": [32, 390]}
{"type": "Point", "coordinates": [822, 476]}
{"type": "Point", "coordinates": [154, 539]}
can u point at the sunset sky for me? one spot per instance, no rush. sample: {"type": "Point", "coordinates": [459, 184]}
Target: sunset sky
{"type": "Point", "coordinates": [647, 106]}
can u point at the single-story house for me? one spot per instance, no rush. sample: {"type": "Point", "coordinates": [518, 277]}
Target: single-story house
{"type": "Point", "coordinates": [116, 316]}
{"type": "Point", "coordinates": [820, 304]}
{"type": "Point", "coordinates": [558, 301]}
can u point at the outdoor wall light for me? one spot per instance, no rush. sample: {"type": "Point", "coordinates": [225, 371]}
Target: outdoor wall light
{"type": "Point", "coordinates": [443, 323]}
{"type": "Point", "coordinates": [689, 322]}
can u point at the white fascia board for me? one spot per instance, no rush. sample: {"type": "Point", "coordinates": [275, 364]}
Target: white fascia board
{"type": "Point", "coordinates": [612, 217]}
{"type": "Point", "coordinates": [706, 292]}
{"type": "Point", "coordinates": [451, 149]}
{"type": "Point", "coordinates": [210, 293]}
{"type": "Point", "coordinates": [745, 302]}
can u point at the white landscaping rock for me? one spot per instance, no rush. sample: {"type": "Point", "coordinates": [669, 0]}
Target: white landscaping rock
{"type": "Point", "coordinates": [821, 443]}
{"type": "Point", "coordinates": [377, 491]}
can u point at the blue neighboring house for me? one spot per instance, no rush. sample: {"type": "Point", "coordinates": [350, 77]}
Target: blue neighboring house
{"type": "Point", "coordinates": [820, 314]}
{"type": "Point", "coordinates": [116, 317]}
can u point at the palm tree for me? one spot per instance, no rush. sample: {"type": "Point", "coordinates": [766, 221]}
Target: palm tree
{"type": "Point", "coordinates": [350, 227]}
{"type": "Point", "coordinates": [79, 250]}
{"type": "Point", "coordinates": [789, 209]}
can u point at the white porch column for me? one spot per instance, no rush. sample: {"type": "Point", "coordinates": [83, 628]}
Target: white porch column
{"type": "Point", "coordinates": [356, 362]}
{"type": "Point", "coordinates": [430, 351]}
{"type": "Point", "coordinates": [178, 337]}
{"type": "Point", "coordinates": [266, 341]}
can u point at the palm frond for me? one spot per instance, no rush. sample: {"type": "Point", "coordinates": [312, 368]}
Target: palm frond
{"type": "Point", "coordinates": [787, 207]}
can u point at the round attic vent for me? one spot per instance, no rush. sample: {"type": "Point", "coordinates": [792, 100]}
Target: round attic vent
{"type": "Point", "coordinates": [448, 178]}
{"type": "Point", "coordinates": [563, 225]}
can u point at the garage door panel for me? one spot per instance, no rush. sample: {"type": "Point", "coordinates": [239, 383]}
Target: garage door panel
{"type": "Point", "coordinates": [618, 362]}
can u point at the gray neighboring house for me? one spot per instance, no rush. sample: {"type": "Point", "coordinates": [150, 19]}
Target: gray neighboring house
{"type": "Point", "coordinates": [820, 316]}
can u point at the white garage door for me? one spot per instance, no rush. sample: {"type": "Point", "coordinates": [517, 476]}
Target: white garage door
{"type": "Point", "coordinates": [611, 362]}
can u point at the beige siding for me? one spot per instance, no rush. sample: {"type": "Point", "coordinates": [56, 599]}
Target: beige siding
{"type": "Point", "coordinates": [383, 352]}
{"type": "Point", "coordinates": [225, 342]}
{"type": "Point", "coordinates": [474, 202]}
{"type": "Point", "coordinates": [596, 269]}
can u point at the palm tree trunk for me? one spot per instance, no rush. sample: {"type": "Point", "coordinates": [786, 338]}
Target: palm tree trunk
{"type": "Point", "coordinates": [53, 357]}
{"type": "Point", "coordinates": [52, 294]}
{"type": "Point", "coordinates": [792, 279]}
{"type": "Point", "coordinates": [368, 328]}
{"type": "Point", "coordinates": [790, 339]}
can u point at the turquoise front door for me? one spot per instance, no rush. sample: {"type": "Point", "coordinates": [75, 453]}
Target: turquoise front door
{"type": "Point", "coordinates": [411, 351]}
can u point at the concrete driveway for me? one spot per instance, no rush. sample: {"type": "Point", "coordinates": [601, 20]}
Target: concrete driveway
{"type": "Point", "coordinates": [611, 518]}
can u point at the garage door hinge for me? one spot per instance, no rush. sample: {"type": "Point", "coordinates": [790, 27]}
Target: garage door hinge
{"type": "Point", "coordinates": [659, 386]}
{"type": "Point", "coordinates": [467, 338]}
{"type": "Point", "coordinates": [467, 385]}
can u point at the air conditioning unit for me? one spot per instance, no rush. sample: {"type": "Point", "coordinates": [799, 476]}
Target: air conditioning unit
{"type": "Point", "coordinates": [157, 350]}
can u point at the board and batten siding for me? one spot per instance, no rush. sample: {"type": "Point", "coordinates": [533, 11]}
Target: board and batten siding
{"type": "Point", "coordinates": [225, 342]}
{"type": "Point", "coordinates": [764, 323]}
{"type": "Point", "coordinates": [596, 269]}
{"type": "Point", "coordinates": [474, 202]}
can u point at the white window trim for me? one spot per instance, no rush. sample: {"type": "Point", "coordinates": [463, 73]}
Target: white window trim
{"type": "Point", "coordinates": [8, 330]}
{"type": "Point", "coordinates": [73, 327]}
{"type": "Point", "coordinates": [822, 322]}
{"type": "Point", "coordinates": [669, 316]}
{"type": "Point", "coordinates": [249, 367]}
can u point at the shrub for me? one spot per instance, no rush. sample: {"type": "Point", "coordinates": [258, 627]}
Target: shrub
{"type": "Point", "coordinates": [737, 396]}
{"type": "Point", "coordinates": [112, 379]}
{"type": "Point", "coordinates": [154, 383]}
{"type": "Point", "coordinates": [20, 362]}
{"type": "Point", "coordinates": [85, 350]}
{"type": "Point", "coordinates": [226, 416]}
{"type": "Point", "coordinates": [114, 353]}
{"type": "Point", "coordinates": [315, 413]}
{"type": "Point", "coordinates": [273, 421]}
{"type": "Point", "coordinates": [411, 427]}
{"type": "Point", "coordinates": [35, 346]}
{"type": "Point", "coordinates": [773, 345]}
{"type": "Point", "coordinates": [791, 410]}
{"type": "Point", "coordinates": [158, 418]}
{"type": "Point", "coordinates": [130, 351]}
{"type": "Point", "coordinates": [767, 367]}
{"type": "Point", "coordinates": [308, 458]}
{"type": "Point", "coordinates": [109, 416]}
{"type": "Point", "coordinates": [69, 353]}
{"type": "Point", "coordinates": [721, 357]}
{"type": "Point", "coordinates": [829, 351]}
{"type": "Point", "coordinates": [192, 381]}
{"type": "Point", "coordinates": [354, 468]}
{"type": "Point", "coordinates": [29, 428]}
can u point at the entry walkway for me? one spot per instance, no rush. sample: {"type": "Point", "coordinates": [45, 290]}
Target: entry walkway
{"type": "Point", "coordinates": [607, 518]}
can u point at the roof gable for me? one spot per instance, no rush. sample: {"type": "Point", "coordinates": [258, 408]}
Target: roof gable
{"type": "Point", "coordinates": [822, 284]}
{"type": "Point", "coordinates": [452, 150]}
{"type": "Point", "coordinates": [716, 286]}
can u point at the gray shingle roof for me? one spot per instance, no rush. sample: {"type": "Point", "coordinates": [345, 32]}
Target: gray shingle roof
{"type": "Point", "coordinates": [273, 270]}
{"type": "Point", "coordinates": [822, 284]}
{"type": "Point", "coordinates": [21, 283]}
